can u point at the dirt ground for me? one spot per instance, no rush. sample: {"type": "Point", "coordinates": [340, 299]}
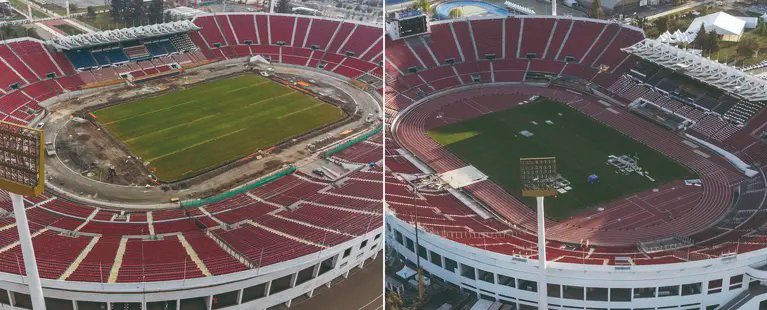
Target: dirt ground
{"type": "Point", "coordinates": [88, 150]}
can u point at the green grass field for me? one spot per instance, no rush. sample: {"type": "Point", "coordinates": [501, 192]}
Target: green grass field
{"type": "Point", "coordinates": [185, 132]}
{"type": "Point", "coordinates": [492, 143]}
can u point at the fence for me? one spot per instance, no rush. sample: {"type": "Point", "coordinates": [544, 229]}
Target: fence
{"type": "Point", "coordinates": [351, 142]}
{"type": "Point", "coordinates": [239, 190]}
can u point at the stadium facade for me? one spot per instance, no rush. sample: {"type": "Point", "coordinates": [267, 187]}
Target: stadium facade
{"type": "Point", "coordinates": [697, 247]}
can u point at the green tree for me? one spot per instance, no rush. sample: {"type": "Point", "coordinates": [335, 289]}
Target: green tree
{"type": "Point", "coordinates": [712, 42]}
{"type": "Point", "coordinates": [747, 46]}
{"type": "Point", "coordinates": [661, 24]}
{"type": "Point", "coordinates": [641, 22]}
{"type": "Point", "coordinates": [91, 12]}
{"type": "Point", "coordinates": [455, 13]}
{"type": "Point", "coordinates": [17, 31]}
{"type": "Point", "coordinates": [155, 11]}
{"type": "Point", "coordinates": [700, 38]}
{"type": "Point", "coordinates": [283, 6]}
{"type": "Point", "coordinates": [423, 5]}
{"type": "Point", "coordinates": [118, 8]}
{"type": "Point", "coordinates": [761, 28]}
{"type": "Point", "coordinates": [32, 33]}
{"type": "Point", "coordinates": [596, 10]}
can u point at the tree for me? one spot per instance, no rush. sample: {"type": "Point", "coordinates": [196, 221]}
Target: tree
{"type": "Point", "coordinates": [700, 38]}
{"type": "Point", "coordinates": [455, 13]}
{"type": "Point", "coordinates": [713, 41]}
{"type": "Point", "coordinates": [747, 46]}
{"type": "Point", "coordinates": [596, 9]}
{"type": "Point", "coordinates": [661, 24]}
{"type": "Point", "coordinates": [393, 300]}
{"type": "Point", "coordinates": [761, 28]}
{"type": "Point", "coordinates": [283, 6]}
{"type": "Point", "coordinates": [423, 5]}
{"type": "Point", "coordinates": [91, 12]}
{"type": "Point", "coordinates": [641, 22]}
{"type": "Point", "coordinates": [155, 11]}
{"type": "Point", "coordinates": [118, 8]}
{"type": "Point", "coordinates": [32, 33]}
{"type": "Point", "coordinates": [17, 31]}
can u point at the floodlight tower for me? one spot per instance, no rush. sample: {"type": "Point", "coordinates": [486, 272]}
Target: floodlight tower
{"type": "Point", "coordinates": [538, 180]}
{"type": "Point", "coordinates": [553, 7]}
{"type": "Point", "coordinates": [22, 174]}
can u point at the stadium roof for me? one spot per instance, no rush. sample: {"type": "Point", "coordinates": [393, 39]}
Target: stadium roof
{"type": "Point", "coordinates": [184, 12]}
{"type": "Point", "coordinates": [122, 35]}
{"type": "Point", "coordinates": [724, 77]}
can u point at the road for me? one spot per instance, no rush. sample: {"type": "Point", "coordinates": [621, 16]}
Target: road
{"type": "Point", "coordinates": [362, 290]}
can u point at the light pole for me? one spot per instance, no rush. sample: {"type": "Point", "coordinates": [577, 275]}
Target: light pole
{"type": "Point", "coordinates": [553, 7]}
{"type": "Point", "coordinates": [538, 177]}
{"type": "Point", "coordinates": [22, 174]}
{"type": "Point", "coordinates": [417, 245]}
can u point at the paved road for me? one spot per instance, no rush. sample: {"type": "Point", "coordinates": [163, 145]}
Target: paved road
{"type": "Point", "coordinates": [363, 290]}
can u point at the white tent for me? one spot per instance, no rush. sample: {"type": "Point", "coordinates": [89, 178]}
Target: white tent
{"type": "Point", "coordinates": [729, 27]}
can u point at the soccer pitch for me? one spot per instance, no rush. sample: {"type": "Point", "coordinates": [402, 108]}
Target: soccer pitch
{"type": "Point", "coordinates": [185, 132]}
{"type": "Point", "coordinates": [493, 144]}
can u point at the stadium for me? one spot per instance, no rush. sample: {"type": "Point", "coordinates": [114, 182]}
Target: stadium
{"type": "Point", "coordinates": [660, 153]}
{"type": "Point", "coordinates": [224, 161]}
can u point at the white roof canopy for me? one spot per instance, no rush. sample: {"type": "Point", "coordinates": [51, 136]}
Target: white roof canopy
{"type": "Point", "coordinates": [461, 177]}
{"type": "Point", "coordinates": [121, 35]}
{"type": "Point", "coordinates": [406, 272]}
{"type": "Point", "coordinates": [721, 76]}
{"type": "Point", "coordinates": [721, 22]}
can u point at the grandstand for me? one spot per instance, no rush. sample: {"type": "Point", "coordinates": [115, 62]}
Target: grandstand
{"type": "Point", "coordinates": [270, 242]}
{"type": "Point", "coordinates": [685, 244]}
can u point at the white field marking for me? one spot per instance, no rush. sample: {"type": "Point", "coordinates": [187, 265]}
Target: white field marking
{"type": "Point", "coordinates": [246, 87]}
{"type": "Point", "coordinates": [272, 98]}
{"type": "Point", "coordinates": [170, 127]}
{"type": "Point", "coordinates": [302, 110]}
{"type": "Point", "coordinates": [196, 144]}
{"type": "Point", "coordinates": [150, 112]}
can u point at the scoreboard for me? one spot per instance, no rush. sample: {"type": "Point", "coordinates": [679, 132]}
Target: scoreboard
{"type": "Point", "coordinates": [406, 24]}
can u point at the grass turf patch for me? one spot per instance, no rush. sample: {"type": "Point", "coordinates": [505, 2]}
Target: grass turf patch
{"type": "Point", "coordinates": [493, 144]}
{"type": "Point", "coordinates": [185, 132]}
